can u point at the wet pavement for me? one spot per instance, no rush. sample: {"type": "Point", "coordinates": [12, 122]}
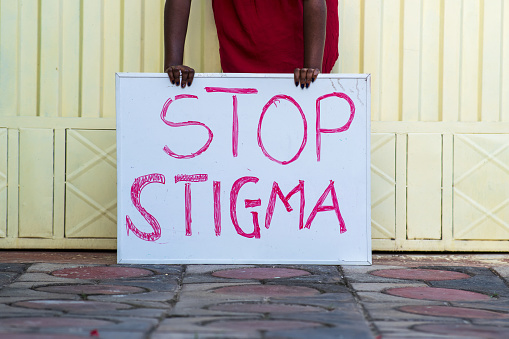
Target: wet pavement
{"type": "Point", "coordinates": [87, 295]}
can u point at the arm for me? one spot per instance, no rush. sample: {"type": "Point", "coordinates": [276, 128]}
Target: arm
{"type": "Point", "coordinates": [315, 18]}
{"type": "Point", "coordinates": [176, 17]}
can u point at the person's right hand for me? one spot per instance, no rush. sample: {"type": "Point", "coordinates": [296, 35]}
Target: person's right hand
{"type": "Point", "coordinates": [175, 73]}
{"type": "Point", "coordinates": [305, 76]}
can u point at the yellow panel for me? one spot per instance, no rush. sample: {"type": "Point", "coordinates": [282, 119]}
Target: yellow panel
{"type": "Point", "coordinates": [3, 182]}
{"type": "Point", "coordinates": [491, 67]}
{"type": "Point", "coordinates": [152, 37]}
{"type": "Point", "coordinates": [131, 53]}
{"type": "Point", "coordinates": [193, 49]}
{"type": "Point", "coordinates": [505, 66]}
{"type": "Point", "coordinates": [383, 186]}
{"type": "Point", "coordinates": [36, 183]}
{"type": "Point", "coordinates": [111, 44]}
{"type": "Point", "coordinates": [8, 57]}
{"type": "Point", "coordinates": [12, 181]}
{"type": "Point", "coordinates": [211, 62]}
{"type": "Point", "coordinates": [412, 60]}
{"type": "Point", "coordinates": [91, 191]}
{"type": "Point", "coordinates": [351, 43]}
{"type": "Point", "coordinates": [91, 59]}
{"type": "Point", "coordinates": [481, 187]}
{"type": "Point", "coordinates": [451, 60]}
{"type": "Point", "coordinates": [50, 57]}
{"type": "Point", "coordinates": [470, 52]}
{"type": "Point", "coordinates": [372, 43]}
{"type": "Point", "coordinates": [424, 186]}
{"type": "Point", "coordinates": [70, 72]}
{"type": "Point", "coordinates": [430, 61]}
{"type": "Point", "coordinates": [28, 57]}
{"type": "Point", "coordinates": [390, 61]}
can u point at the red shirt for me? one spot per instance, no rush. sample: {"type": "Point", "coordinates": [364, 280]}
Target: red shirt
{"type": "Point", "coordinates": [266, 36]}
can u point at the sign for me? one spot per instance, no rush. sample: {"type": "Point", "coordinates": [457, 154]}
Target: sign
{"type": "Point", "coordinates": [243, 168]}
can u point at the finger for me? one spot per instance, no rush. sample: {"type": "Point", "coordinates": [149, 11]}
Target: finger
{"type": "Point", "coordinates": [309, 76]}
{"type": "Point", "coordinates": [302, 77]}
{"type": "Point", "coordinates": [169, 70]}
{"type": "Point", "coordinates": [190, 77]}
{"type": "Point", "coordinates": [176, 75]}
{"type": "Point", "coordinates": [296, 75]}
{"type": "Point", "coordinates": [315, 75]}
{"type": "Point", "coordinates": [185, 75]}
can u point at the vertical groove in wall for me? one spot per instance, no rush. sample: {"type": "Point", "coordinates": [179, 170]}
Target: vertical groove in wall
{"type": "Point", "coordinates": [142, 36]}
{"type": "Point", "coordinates": [442, 212]}
{"type": "Point", "coordinates": [460, 108]}
{"type": "Point", "coordinates": [419, 85]}
{"type": "Point", "coordinates": [18, 58]}
{"type": "Point", "coordinates": [441, 62]}
{"type": "Point", "coordinates": [380, 62]}
{"type": "Point", "coordinates": [38, 95]}
{"type": "Point", "coordinates": [53, 185]}
{"type": "Point", "coordinates": [18, 202]}
{"type": "Point", "coordinates": [501, 74]}
{"type": "Point", "coordinates": [80, 90]}
{"type": "Point", "coordinates": [202, 37]}
{"type": "Point", "coordinates": [480, 62]}
{"type": "Point", "coordinates": [361, 33]}
{"type": "Point", "coordinates": [60, 55]}
{"type": "Point", "coordinates": [122, 13]}
{"type": "Point", "coordinates": [401, 56]}
{"type": "Point", "coordinates": [101, 71]}
{"type": "Point", "coordinates": [161, 42]}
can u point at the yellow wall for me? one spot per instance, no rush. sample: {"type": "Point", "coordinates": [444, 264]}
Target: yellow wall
{"type": "Point", "coordinates": [440, 111]}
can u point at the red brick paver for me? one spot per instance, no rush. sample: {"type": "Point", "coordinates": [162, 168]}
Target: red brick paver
{"type": "Point", "coordinates": [434, 293]}
{"type": "Point", "coordinates": [260, 273]}
{"type": "Point", "coordinates": [101, 272]}
{"type": "Point", "coordinates": [91, 289]}
{"type": "Point", "coordinates": [456, 312]}
{"type": "Point", "coordinates": [420, 274]}
{"type": "Point", "coordinates": [268, 290]}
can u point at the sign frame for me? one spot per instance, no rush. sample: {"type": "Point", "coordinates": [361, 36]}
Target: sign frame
{"type": "Point", "coordinates": [123, 257]}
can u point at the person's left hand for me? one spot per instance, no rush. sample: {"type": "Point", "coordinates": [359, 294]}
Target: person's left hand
{"type": "Point", "coordinates": [305, 76]}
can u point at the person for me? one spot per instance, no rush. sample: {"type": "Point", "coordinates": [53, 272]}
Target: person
{"type": "Point", "coordinates": [259, 36]}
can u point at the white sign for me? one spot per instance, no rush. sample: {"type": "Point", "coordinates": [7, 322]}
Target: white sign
{"type": "Point", "coordinates": [243, 168]}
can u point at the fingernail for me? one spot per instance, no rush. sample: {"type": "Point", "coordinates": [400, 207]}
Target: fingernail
{"type": "Point", "coordinates": [173, 82]}
{"type": "Point", "coordinates": [188, 84]}
{"type": "Point", "coordinates": [302, 86]}
{"type": "Point", "coordinates": [178, 83]}
{"type": "Point", "coordinates": [296, 83]}
{"type": "Point", "coordinates": [307, 85]}
{"type": "Point", "coordinates": [313, 80]}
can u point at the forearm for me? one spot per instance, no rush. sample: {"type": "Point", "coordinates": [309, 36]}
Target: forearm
{"type": "Point", "coordinates": [315, 18]}
{"type": "Point", "coordinates": [176, 17]}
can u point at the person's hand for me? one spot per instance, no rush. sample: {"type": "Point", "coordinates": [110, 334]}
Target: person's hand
{"type": "Point", "coordinates": [175, 73]}
{"type": "Point", "coordinates": [305, 76]}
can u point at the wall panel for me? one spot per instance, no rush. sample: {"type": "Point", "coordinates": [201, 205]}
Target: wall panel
{"type": "Point", "coordinates": [35, 183]}
{"type": "Point", "coordinates": [3, 182]}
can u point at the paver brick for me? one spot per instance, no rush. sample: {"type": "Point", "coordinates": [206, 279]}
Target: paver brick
{"type": "Point", "coordinates": [420, 274]}
{"type": "Point", "coordinates": [379, 287]}
{"type": "Point", "coordinates": [434, 293]}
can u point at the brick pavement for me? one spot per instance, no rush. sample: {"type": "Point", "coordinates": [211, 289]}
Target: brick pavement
{"type": "Point", "coordinates": [87, 295]}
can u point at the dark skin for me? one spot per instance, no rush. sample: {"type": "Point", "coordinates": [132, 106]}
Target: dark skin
{"type": "Point", "coordinates": [176, 17]}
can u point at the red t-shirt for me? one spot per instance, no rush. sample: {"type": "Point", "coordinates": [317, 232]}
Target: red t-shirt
{"type": "Point", "coordinates": [266, 36]}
